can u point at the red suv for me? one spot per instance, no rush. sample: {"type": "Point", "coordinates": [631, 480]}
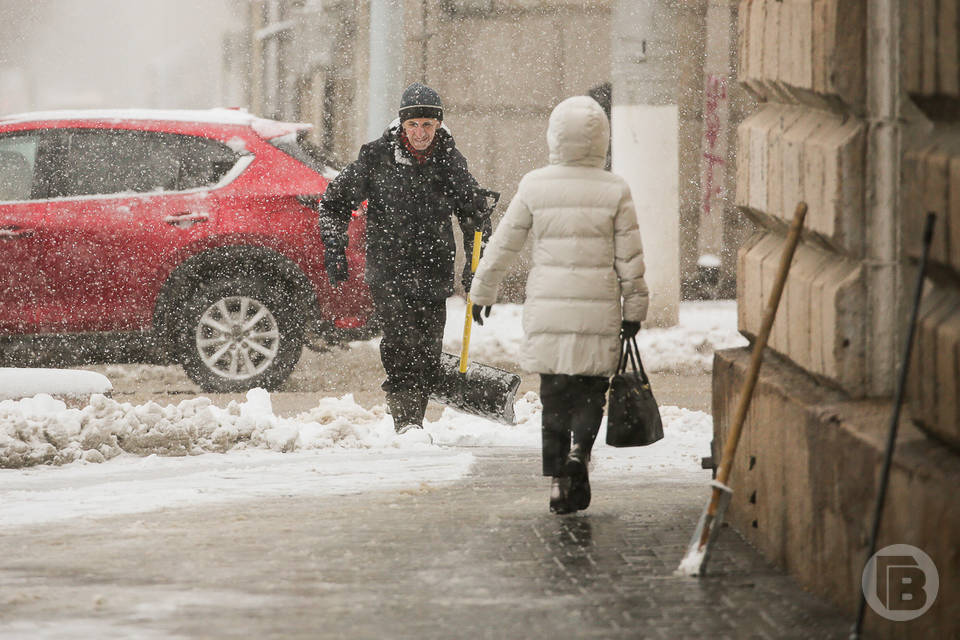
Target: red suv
{"type": "Point", "coordinates": [189, 235]}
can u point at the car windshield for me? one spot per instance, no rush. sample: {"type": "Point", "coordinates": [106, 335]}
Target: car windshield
{"type": "Point", "coordinates": [296, 145]}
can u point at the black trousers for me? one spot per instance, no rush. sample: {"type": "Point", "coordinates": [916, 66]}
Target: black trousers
{"type": "Point", "coordinates": [412, 341]}
{"type": "Point", "coordinates": [572, 405]}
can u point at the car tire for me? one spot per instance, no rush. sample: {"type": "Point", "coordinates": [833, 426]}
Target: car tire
{"type": "Point", "coordinates": [238, 334]}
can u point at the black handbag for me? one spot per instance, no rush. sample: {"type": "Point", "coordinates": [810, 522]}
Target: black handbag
{"type": "Point", "coordinates": [633, 419]}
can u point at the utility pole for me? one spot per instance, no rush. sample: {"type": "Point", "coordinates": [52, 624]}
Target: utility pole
{"type": "Point", "coordinates": [387, 39]}
{"type": "Point", "coordinates": [645, 125]}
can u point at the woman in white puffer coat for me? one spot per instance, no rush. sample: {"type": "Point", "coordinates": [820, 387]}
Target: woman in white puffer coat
{"type": "Point", "coordinates": [584, 291]}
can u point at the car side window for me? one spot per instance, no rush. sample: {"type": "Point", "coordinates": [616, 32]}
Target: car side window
{"type": "Point", "coordinates": [101, 162]}
{"type": "Point", "coordinates": [18, 154]}
{"type": "Point", "coordinates": [204, 162]}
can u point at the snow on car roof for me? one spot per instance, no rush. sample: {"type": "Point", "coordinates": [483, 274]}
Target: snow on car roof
{"type": "Point", "coordinates": [215, 116]}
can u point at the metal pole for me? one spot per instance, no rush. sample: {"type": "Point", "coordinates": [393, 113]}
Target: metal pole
{"type": "Point", "coordinates": [895, 416]}
{"type": "Point", "coordinates": [387, 37]}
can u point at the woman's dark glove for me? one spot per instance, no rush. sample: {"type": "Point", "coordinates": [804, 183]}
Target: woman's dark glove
{"type": "Point", "coordinates": [629, 329]}
{"type": "Point", "coordinates": [337, 271]}
{"type": "Point", "coordinates": [476, 313]}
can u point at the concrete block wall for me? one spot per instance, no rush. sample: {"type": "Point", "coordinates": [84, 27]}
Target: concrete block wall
{"type": "Point", "coordinates": [820, 318]}
{"type": "Point", "coordinates": [804, 49]}
{"type": "Point", "coordinates": [931, 183]}
{"type": "Point", "coordinates": [805, 479]}
{"type": "Point", "coordinates": [802, 154]}
{"type": "Point", "coordinates": [931, 55]}
{"type": "Point", "coordinates": [805, 59]}
{"type": "Point", "coordinates": [869, 168]}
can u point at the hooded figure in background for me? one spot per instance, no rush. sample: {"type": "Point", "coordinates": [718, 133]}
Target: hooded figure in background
{"type": "Point", "coordinates": [585, 290]}
{"type": "Point", "coordinates": [415, 182]}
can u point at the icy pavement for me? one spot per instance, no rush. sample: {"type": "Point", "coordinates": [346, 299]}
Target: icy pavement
{"type": "Point", "coordinates": [478, 557]}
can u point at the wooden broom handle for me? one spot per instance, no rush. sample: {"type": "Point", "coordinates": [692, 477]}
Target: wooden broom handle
{"type": "Point", "coordinates": [753, 371]}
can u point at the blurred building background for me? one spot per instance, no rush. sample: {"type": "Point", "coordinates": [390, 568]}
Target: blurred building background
{"type": "Point", "coordinates": [65, 54]}
{"type": "Point", "coordinates": [500, 67]}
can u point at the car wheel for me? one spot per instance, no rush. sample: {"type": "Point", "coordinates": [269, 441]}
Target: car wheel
{"type": "Point", "coordinates": [240, 334]}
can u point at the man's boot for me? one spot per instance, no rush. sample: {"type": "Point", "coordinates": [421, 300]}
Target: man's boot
{"type": "Point", "coordinates": [404, 406]}
{"type": "Point", "coordinates": [422, 399]}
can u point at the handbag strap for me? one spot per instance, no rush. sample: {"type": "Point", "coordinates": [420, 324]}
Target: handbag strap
{"type": "Point", "coordinates": [629, 352]}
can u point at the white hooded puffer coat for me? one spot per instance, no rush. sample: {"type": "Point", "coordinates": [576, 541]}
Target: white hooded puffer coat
{"type": "Point", "coordinates": [587, 252]}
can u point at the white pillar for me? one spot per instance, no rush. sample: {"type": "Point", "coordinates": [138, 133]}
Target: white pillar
{"type": "Point", "coordinates": [645, 141]}
{"type": "Point", "coordinates": [645, 153]}
{"type": "Point", "coordinates": [386, 64]}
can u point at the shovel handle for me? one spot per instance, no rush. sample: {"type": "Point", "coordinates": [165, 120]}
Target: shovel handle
{"type": "Point", "coordinates": [468, 320]}
{"type": "Point", "coordinates": [753, 371]}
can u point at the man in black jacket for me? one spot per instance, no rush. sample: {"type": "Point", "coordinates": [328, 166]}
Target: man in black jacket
{"type": "Point", "coordinates": [414, 180]}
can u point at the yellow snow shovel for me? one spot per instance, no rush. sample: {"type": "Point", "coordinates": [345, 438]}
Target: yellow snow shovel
{"type": "Point", "coordinates": [476, 388]}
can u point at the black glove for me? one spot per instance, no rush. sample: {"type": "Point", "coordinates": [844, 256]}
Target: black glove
{"type": "Point", "coordinates": [476, 313]}
{"type": "Point", "coordinates": [628, 329]}
{"type": "Point", "coordinates": [337, 272]}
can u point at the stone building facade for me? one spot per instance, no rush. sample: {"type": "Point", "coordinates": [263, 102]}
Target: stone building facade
{"type": "Point", "coordinates": [859, 117]}
{"type": "Point", "coordinates": [501, 66]}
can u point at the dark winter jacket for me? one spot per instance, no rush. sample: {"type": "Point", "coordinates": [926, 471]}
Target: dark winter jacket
{"type": "Point", "coordinates": [410, 243]}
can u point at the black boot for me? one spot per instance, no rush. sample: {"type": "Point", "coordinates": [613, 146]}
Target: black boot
{"type": "Point", "coordinates": [578, 495]}
{"type": "Point", "coordinates": [422, 400]}
{"type": "Point", "coordinates": [404, 407]}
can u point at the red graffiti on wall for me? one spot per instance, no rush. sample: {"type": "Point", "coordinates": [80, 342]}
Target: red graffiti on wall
{"type": "Point", "coordinates": [714, 149]}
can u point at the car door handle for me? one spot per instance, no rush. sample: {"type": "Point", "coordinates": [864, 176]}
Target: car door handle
{"type": "Point", "coordinates": [186, 218]}
{"type": "Point", "coordinates": [11, 233]}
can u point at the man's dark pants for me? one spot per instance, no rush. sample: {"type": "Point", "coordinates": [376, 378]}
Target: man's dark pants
{"type": "Point", "coordinates": [410, 351]}
{"type": "Point", "coordinates": [571, 405]}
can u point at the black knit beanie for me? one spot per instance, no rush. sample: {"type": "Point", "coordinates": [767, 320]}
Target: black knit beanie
{"type": "Point", "coordinates": [420, 101]}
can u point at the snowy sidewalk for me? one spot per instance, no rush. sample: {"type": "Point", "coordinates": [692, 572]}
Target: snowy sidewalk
{"type": "Point", "coordinates": [161, 514]}
{"type": "Point", "coordinates": [479, 558]}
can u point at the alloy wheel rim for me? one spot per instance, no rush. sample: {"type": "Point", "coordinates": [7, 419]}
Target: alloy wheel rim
{"type": "Point", "coordinates": [237, 337]}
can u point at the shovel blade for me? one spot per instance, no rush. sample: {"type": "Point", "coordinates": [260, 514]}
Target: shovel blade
{"type": "Point", "coordinates": [482, 391]}
{"type": "Point", "coordinates": [695, 560]}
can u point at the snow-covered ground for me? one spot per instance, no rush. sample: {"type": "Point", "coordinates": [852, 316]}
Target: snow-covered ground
{"type": "Point", "coordinates": [110, 457]}
{"type": "Point", "coordinates": [688, 347]}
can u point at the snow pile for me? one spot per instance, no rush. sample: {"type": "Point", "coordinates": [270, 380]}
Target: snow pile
{"type": "Point", "coordinates": [686, 439]}
{"type": "Point", "coordinates": [688, 347]}
{"type": "Point", "coordinates": [42, 430]}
